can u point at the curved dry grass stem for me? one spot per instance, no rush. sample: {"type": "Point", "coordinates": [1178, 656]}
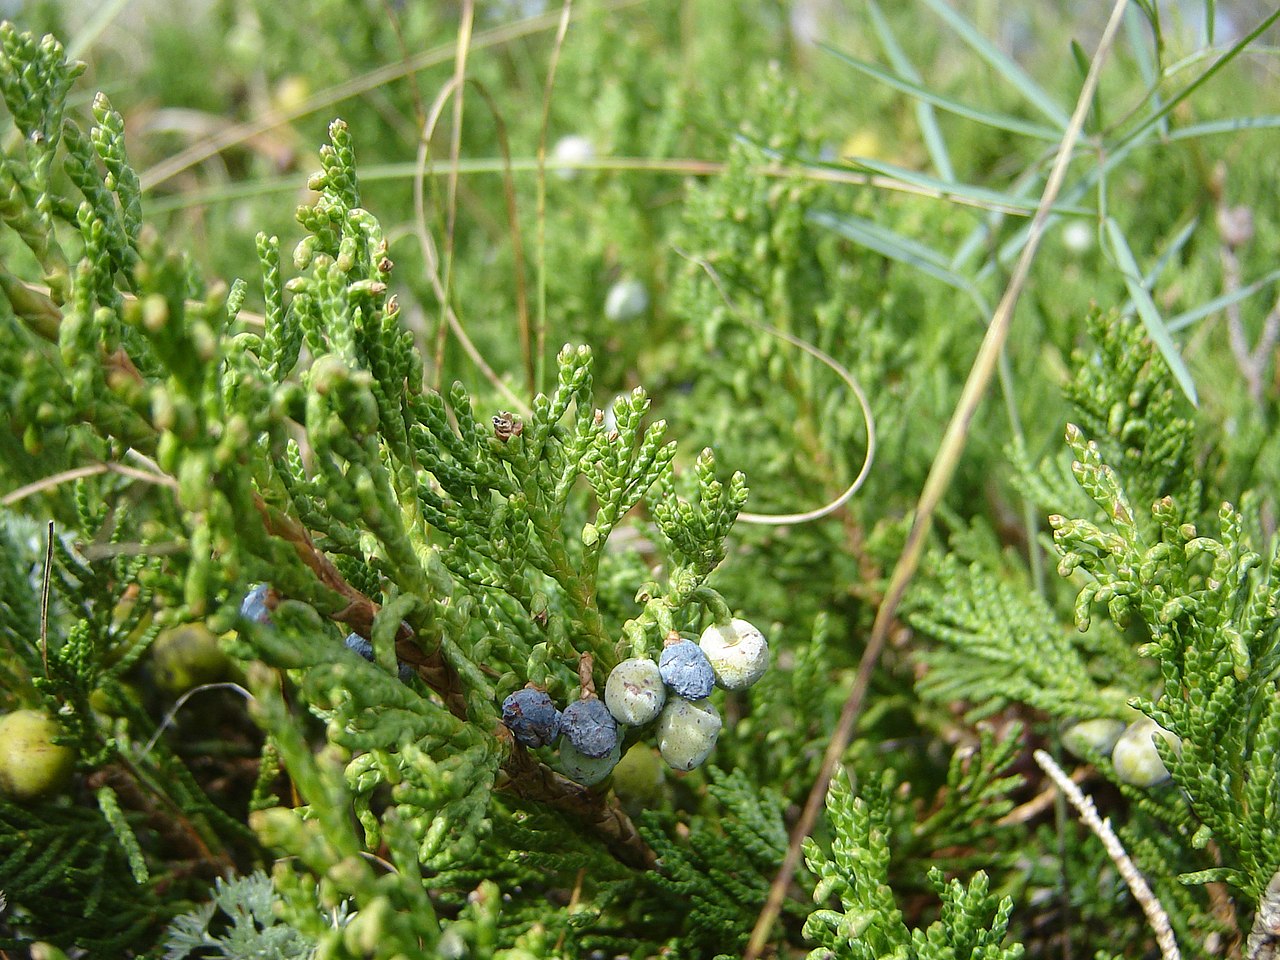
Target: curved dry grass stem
{"type": "Point", "coordinates": [1138, 886]}
{"type": "Point", "coordinates": [79, 473]}
{"type": "Point", "coordinates": [540, 336]}
{"type": "Point", "coordinates": [431, 258]}
{"type": "Point", "coordinates": [181, 702]}
{"type": "Point", "coordinates": [455, 152]}
{"type": "Point", "coordinates": [231, 136]}
{"type": "Point", "coordinates": [786, 519]}
{"type": "Point", "coordinates": [940, 474]}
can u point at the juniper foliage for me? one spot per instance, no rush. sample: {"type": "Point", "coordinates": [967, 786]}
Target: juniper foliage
{"type": "Point", "coordinates": [482, 538]}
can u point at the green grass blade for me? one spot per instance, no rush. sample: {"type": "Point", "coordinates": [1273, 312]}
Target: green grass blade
{"type": "Point", "coordinates": [1199, 81]}
{"type": "Point", "coordinates": [977, 196]}
{"type": "Point", "coordinates": [979, 237]}
{"type": "Point", "coordinates": [1232, 125]}
{"type": "Point", "coordinates": [893, 245]}
{"type": "Point", "coordinates": [1174, 248]}
{"type": "Point", "coordinates": [1152, 276]}
{"type": "Point", "coordinates": [991, 119]}
{"type": "Point", "coordinates": [1148, 312]}
{"type": "Point", "coordinates": [933, 139]}
{"type": "Point", "coordinates": [1187, 318]}
{"type": "Point", "coordinates": [1018, 78]}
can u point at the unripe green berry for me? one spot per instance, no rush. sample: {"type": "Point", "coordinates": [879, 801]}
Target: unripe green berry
{"type": "Point", "coordinates": [1135, 758]}
{"type": "Point", "coordinates": [635, 692]}
{"type": "Point", "coordinates": [31, 764]}
{"type": "Point", "coordinates": [687, 732]}
{"type": "Point", "coordinates": [1091, 737]}
{"type": "Point", "coordinates": [738, 652]}
{"type": "Point", "coordinates": [588, 771]}
{"type": "Point", "coordinates": [188, 656]}
{"type": "Point", "coordinates": [640, 777]}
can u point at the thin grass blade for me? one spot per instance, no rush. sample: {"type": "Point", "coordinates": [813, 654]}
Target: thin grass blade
{"type": "Point", "coordinates": [991, 119]}
{"type": "Point", "coordinates": [893, 245]}
{"type": "Point", "coordinates": [1157, 329]}
{"type": "Point", "coordinates": [933, 139]}
{"type": "Point", "coordinates": [977, 196]}
{"type": "Point", "coordinates": [1231, 125]}
{"type": "Point", "coordinates": [999, 61]}
{"type": "Point", "coordinates": [1217, 65]}
{"type": "Point", "coordinates": [1188, 317]}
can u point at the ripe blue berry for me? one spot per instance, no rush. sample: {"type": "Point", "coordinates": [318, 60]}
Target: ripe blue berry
{"type": "Point", "coordinates": [590, 727]}
{"type": "Point", "coordinates": [254, 606]}
{"type": "Point", "coordinates": [686, 670]}
{"type": "Point", "coordinates": [634, 693]}
{"type": "Point", "coordinates": [359, 645]}
{"type": "Point", "coordinates": [532, 717]}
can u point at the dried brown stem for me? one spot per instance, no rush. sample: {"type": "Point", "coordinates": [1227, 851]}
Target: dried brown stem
{"type": "Point", "coordinates": [598, 811]}
{"type": "Point", "coordinates": [360, 611]}
{"type": "Point", "coordinates": [940, 474]}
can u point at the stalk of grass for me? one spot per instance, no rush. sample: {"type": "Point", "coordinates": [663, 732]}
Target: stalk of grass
{"type": "Point", "coordinates": [939, 478]}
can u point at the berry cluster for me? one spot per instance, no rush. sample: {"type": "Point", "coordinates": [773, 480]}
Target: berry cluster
{"type": "Point", "coordinates": [673, 692]}
{"type": "Point", "coordinates": [1133, 750]}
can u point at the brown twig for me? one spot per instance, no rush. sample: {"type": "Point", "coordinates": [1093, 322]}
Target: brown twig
{"type": "Point", "coordinates": [599, 811]}
{"type": "Point", "coordinates": [360, 611]}
{"type": "Point", "coordinates": [1138, 886]}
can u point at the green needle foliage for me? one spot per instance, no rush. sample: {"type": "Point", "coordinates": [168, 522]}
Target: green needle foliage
{"type": "Point", "coordinates": [869, 924]}
{"type": "Point", "coordinates": [275, 548]}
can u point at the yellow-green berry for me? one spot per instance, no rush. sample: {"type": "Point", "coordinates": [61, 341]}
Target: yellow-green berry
{"type": "Point", "coordinates": [1089, 738]}
{"type": "Point", "coordinates": [188, 656]}
{"type": "Point", "coordinates": [1135, 758]}
{"type": "Point", "coordinates": [687, 732]}
{"type": "Point", "coordinates": [31, 764]}
{"type": "Point", "coordinates": [634, 692]}
{"type": "Point", "coordinates": [588, 771]}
